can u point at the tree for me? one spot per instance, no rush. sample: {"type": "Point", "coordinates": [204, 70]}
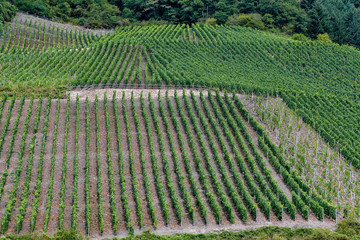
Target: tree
{"type": "Point", "coordinates": [248, 6]}
{"type": "Point", "coordinates": [307, 4]}
{"type": "Point", "coordinates": [222, 12]}
{"type": "Point", "coordinates": [285, 13]}
{"type": "Point", "coordinates": [268, 20]}
{"type": "Point", "coordinates": [191, 11]}
{"type": "Point", "coordinates": [7, 11]}
{"type": "Point", "coordinates": [315, 24]}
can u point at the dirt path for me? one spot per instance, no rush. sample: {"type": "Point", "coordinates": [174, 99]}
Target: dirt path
{"type": "Point", "coordinates": [237, 227]}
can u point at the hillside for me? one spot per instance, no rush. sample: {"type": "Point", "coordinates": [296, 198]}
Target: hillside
{"type": "Point", "coordinates": [95, 137]}
{"type": "Point", "coordinates": [198, 150]}
{"type": "Point", "coordinates": [337, 18]}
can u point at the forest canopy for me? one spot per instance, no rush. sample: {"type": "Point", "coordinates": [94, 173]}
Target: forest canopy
{"type": "Point", "coordinates": [339, 18]}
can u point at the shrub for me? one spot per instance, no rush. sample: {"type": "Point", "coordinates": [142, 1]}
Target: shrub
{"type": "Point", "coordinates": [322, 234]}
{"type": "Point", "coordinates": [7, 12]}
{"type": "Point", "coordinates": [210, 21]}
{"type": "Point", "coordinates": [349, 227]}
{"type": "Point", "coordinates": [324, 38]}
{"type": "Point", "coordinates": [247, 20]}
{"type": "Point", "coordinates": [300, 37]}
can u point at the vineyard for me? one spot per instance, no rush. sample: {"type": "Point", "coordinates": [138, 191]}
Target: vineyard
{"type": "Point", "coordinates": [276, 138]}
{"type": "Point", "coordinates": [210, 160]}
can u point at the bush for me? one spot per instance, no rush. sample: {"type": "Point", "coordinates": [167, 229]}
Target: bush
{"type": "Point", "coordinates": [60, 235]}
{"type": "Point", "coordinates": [349, 227]}
{"type": "Point", "coordinates": [153, 22]}
{"type": "Point", "coordinates": [7, 12]}
{"type": "Point", "coordinates": [300, 37]}
{"type": "Point", "coordinates": [210, 21]}
{"type": "Point", "coordinates": [324, 38]}
{"type": "Point", "coordinates": [322, 234]}
{"type": "Point", "coordinates": [37, 8]}
{"type": "Point", "coordinates": [247, 20]}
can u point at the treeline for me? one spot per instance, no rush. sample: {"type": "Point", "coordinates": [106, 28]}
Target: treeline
{"type": "Point", "coordinates": [339, 18]}
{"type": "Point", "coordinates": [7, 12]}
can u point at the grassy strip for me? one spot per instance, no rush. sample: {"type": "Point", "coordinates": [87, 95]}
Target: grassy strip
{"type": "Point", "coordinates": [346, 229]}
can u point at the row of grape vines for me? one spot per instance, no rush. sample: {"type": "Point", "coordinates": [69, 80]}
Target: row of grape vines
{"type": "Point", "coordinates": [26, 35]}
{"type": "Point", "coordinates": [192, 161]}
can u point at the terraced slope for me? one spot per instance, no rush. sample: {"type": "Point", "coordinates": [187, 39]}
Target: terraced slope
{"type": "Point", "coordinates": [200, 158]}
{"type": "Point", "coordinates": [120, 162]}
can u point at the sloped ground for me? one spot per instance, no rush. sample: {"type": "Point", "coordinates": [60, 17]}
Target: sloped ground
{"type": "Point", "coordinates": [321, 166]}
{"type": "Point", "coordinates": [104, 171]}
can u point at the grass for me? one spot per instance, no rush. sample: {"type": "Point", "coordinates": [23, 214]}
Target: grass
{"type": "Point", "coordinates": [346, 230]}
{"type": "Point", "coordinates": [60, 235]}
{"type": "Point", "coordinates": [36, 91]}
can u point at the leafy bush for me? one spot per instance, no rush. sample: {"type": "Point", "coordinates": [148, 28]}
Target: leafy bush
{"type": "Point", "coordinates": [322, 234]}
{"type": "Point", "coordinates": [210, 21]}
{"type": "Point", "coordinates": [324, 38]}
{"type": "Point", "coordinates": [300, 37]}
{"type": "Point", "coordinates": [349, 227]}
{"type": "Point", "coordinates": [7, 12]}
{"type": "Point", "coordinates": [247, 20]}
{"type": "Point", "coordinates": [60, 235]}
